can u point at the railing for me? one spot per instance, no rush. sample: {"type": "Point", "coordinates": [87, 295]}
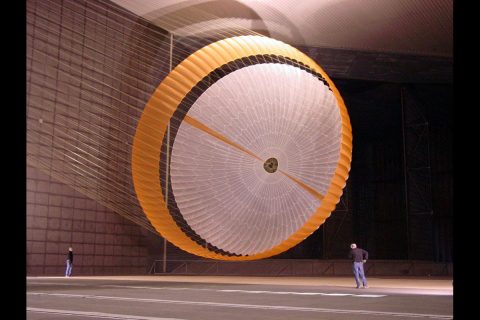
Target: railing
{"type": "Point", "coordinates": [301, 267]}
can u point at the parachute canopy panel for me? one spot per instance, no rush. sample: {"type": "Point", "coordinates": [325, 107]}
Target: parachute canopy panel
{"type": "Point", "coordinates": [242, 151]}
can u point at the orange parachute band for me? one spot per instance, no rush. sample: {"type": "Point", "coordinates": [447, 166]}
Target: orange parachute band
{"type": "Point", "coordinates": [159, 110]}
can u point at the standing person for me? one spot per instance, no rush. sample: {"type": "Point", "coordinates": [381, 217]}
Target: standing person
{"type": "Point", "coordinates": [359, 257]}
{"type": "Point", "coordinates": [68, 271]}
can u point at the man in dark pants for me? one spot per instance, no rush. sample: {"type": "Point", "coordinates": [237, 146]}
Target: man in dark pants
{"type": "Point", "coordinates": [359, 257]}
{"type": "Point", "coordinates": [68, 271]}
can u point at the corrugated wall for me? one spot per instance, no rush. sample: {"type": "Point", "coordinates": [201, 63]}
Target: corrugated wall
{"type": "Point", "coordinates": [90, 71]}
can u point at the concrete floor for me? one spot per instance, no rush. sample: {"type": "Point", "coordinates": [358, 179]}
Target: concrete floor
{"type": "Point", "coordinates": [235, 298]}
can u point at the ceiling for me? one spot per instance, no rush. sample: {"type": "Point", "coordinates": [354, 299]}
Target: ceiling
{"type": "Point", "coordinates": [412, 27]}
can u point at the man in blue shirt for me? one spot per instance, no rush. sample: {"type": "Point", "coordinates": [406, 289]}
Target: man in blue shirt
{"type": "Point", "coordinates": [359, 257]}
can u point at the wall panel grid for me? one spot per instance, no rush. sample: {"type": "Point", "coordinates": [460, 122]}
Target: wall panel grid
{"type": "Point", "coordinates": [91, 67]}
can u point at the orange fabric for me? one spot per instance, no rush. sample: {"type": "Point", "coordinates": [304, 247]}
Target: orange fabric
{"type": "Point", "coordinates": [163, 103]}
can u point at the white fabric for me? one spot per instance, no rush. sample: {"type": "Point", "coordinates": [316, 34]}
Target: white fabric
{"type": "Point", "coordinates": [225, 195]}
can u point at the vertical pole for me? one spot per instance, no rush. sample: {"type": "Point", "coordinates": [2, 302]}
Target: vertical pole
{"type": "Point", "coordinates": [405, 172]}
{"type": "Point", "coordinates": [434, 221]}
{"type": "Point", "coordinates": [324, 240]}
{"type": "Point", "coordinates": [167, 166]}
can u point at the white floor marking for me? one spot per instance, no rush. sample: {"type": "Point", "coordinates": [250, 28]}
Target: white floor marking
{"type": "Point", "coordinates": [256, 291]}
{"type": "Point", "coordinates": [247, 306]}
{"type": "Point", "coordinates": [57, 284]}
{"type": "Point", "coordinates": [94, 314]}
{"type": "Point", "coordinates": [227, 290]}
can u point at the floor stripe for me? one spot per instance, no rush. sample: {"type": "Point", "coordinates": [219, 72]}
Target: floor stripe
{"type": "Point", "coordinates": [255, 291]}
{"type": "Point", "coordinates": [101, 315]}
{"type": "Point", "coordinates": [309, 293]}
{"type": "Point", "coordinates": [249, 306]}
{"type": "Point", "coordinates": [225, 290]}
{"type": "Point", "coordinates": [57, 284]}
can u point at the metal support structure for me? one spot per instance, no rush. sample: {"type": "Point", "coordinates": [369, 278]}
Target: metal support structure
{"type": "Point", "coordinates": [339, 215]}
{"type": "Point", "coordinates": [167, 166]}
{"type": "Point", "coordinates": [324, 240]}
{"type": "Point", "coordinates": [305, 267]}
{"type": "Point", "coordinates": [418, 175]}
{"type": "Point", "coordinates": [405, 171]}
